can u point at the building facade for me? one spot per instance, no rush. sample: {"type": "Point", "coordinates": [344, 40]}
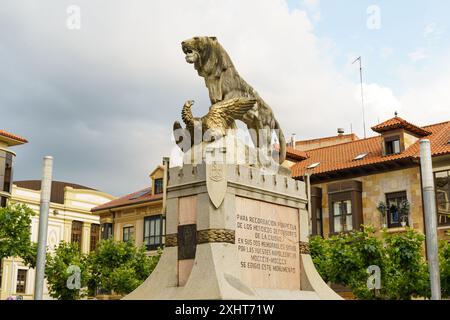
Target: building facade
{"type": "Point", "coordinates": [70, 219]}
{"type": "Point", "coordinates": [354, 180]}
{"type": "Point", "coordinates": [136, 217]}
{"type": "Point", "coordinates": [7, 156]}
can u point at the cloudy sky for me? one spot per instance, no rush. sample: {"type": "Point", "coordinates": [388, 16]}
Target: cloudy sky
{"type": "Point", "coordinates": [102, 98]}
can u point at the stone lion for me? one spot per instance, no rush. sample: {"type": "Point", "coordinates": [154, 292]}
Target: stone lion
{"type": "Point", "coordinates": [223, 81]}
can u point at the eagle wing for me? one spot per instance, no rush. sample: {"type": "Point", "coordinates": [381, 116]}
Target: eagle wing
{"type": "Point", "coordinates": [222, 114]}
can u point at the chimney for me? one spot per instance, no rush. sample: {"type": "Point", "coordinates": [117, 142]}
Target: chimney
{"type": "Point", "coordinates": [293, 141]}
{"type": "Point", "coordinates": [340, 131]}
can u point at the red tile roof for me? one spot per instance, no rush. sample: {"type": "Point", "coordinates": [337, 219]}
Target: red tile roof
{"type": "Point", "coordinates": [340, 157]}
{"type": "Point", "coordinates": [11, 136]}
{"type": "Point", "coordinates": [399, 123]}
{"type": "Point", "coordinates": [141, 196]}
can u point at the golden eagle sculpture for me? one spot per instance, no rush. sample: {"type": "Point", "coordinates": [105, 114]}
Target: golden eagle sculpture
{"type": "Point", "coordinates": [217, 121]}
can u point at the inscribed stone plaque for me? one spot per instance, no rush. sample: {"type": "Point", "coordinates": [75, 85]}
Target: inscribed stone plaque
{"type": "Point", "coordinates": [267, 237]}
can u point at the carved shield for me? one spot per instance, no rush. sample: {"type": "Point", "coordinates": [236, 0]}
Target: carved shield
{"type": "Point", "coordinates": [216, 182]}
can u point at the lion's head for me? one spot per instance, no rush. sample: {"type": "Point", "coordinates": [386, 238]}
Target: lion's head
{"type": "Point", "coordinates": [207, 55]}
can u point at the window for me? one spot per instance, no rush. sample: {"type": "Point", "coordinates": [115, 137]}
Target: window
{"type": "Point", "coordinates": [21, 281]}
{"type": "Point", "coordinates": [154, 228]}
{"type": "Point", "coordinates": [392, 145]}
{"type": "Point", "coordinates": [316, 212]}
{"type": "Point", "coordinates": [442, 182]}
{"type": "Point", "coordinates": [107, 231]}
{"type": "Point", "coordinates": [158, 186]}
{"type": "Point", "coordinates": [396, 216]}
{"type": "Point", "coordinates": [342, 216]}
{"type": "Point", "coordinates": [361, 156]}
{"type": "Point", "coordinates": [77, 231]}
{"type": "Point", "coordinates": [95, 236]}
{"type": "Point", "coordinates": [128, 234]}
{"type": "Point", "coordinates": [1, 272]}
{"type": "Point", "coordinates": [3, 201]}
{"type": "Point", "coordinates": [314, 165]}
{"type": "Point", "coordinates": [345, 205]}
{"type": "Point", "coordinates": [6, 171]}
{"type": "Point", "coordinates": [7, 179]}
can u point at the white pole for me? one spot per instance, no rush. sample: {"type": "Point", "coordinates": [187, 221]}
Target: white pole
{"type": "Point", "coordinates": [46, 185]}
{"type": "Point", "coordinates": [429, 204]}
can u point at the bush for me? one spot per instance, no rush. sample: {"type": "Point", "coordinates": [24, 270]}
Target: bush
{"type": "Point", "coordinates": [444, 263]}
{"type": "Point", "coordinates": [62, 265]}
{"type": "Point", "coordinates": [344, 260]}
{"type": "Point", "coordinates": [119, 267]}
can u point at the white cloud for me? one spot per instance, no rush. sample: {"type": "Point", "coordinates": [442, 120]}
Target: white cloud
{"type": "Point", "coordinates": [386, 52]}
{"type": "Point", "coordinates": [419, 54]}
{"type": "Point", "coordinates": [313, 6]}
{"type": "Point", "coordinates": [127, 65]}
{"type": "Point", "coordinates": [433, 31]}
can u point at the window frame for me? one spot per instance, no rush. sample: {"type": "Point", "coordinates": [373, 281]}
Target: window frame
{"type": "Point", "coordinates": [94, 237]}
{"type": "Point", "coordinates": [343, 215]}
{"type": "Point", "coordinates": [446, 191]}
{"type": "Point", "coordinates": [77, 233]}
{"type": "Point", "coordinates": [1, 273]}
{"type": "Point", "coordinates": [316, 212]}
{"type": "Point", "coordinates": [389, 141]}
{"type": "Point", "coordinates": [397, 196]}
{"type": "Point", "coordinates": [106, 231]}
{"type": "Point", "coordinates": [148, 236]}
{"type": "Point", "coordinates": [24, 285]}
{"type": "Point", "coordinates": [130, 233]}
{"type": "Point", "coordinates": [160, 183]}
{"type": "Point", "coordinates": [350, 190]}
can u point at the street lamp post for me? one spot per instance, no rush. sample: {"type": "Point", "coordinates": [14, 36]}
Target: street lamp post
{"type": "Point", "coordinates": [46, 185]}
{"type": "Point", "coordinates": [429, 204]}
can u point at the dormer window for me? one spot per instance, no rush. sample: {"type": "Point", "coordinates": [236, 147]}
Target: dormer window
{"type": "Point", "coordinates": [158, 186]}
{"type": "Point", "coordinates": [392, 145]}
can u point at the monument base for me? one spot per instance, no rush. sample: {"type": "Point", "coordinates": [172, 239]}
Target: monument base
{"type": "Point", "coordinates": [233, 233]}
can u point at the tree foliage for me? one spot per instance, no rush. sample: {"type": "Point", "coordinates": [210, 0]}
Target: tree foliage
{"type": "Point", "coordinates": [119, 267]}
{"type": "Point", "coordinates": [15, 233]}
{"type": "Point", "coordinates": [344, 259]}
{"type": "Point", "coordinates": [444, 264]}
{"type": "Point", "coordinates": [60, 266]}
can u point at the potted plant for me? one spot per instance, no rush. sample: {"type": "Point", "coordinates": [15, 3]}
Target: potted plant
{"type": "Point", "coordinates": [382, 208]}
{"type": "Point", "coordinates": [404, 212]}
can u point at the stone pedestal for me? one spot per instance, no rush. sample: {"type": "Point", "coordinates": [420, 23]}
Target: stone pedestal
{"type": "Point", "coordinates": [234, 233]}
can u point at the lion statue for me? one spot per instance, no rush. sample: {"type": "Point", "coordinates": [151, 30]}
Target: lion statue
{"type": "Point", "coordinates": [224, 83]}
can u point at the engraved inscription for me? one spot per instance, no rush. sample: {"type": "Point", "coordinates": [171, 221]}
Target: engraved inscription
{"type": "Point", "coordinates": [267, 238]}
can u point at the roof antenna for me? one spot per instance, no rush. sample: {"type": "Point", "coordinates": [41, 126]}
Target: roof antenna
{"type": "Point", "coordinates": [362, 93]}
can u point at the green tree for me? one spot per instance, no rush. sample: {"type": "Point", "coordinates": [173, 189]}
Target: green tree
{"type": "Point", "coordinates": [344, 259]}
{"type": "Point", "coordinates": [444, 263]}
{"type": "Point", "coordinates": [15, 233]}
{"type": "Point", "coordinates": [66, 272]}
{"type": "Point", "coordinates": [405, 269]}
{"type": "Point", "coordinates": [119, 267]}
